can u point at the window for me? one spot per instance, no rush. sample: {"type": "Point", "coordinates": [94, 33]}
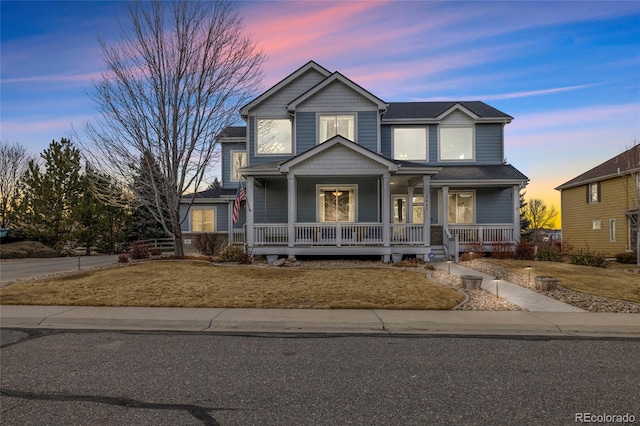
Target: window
{"type": "Point", "coordinates": [418, 209]}
{"type": "Point", "coordinates": [593, 193]}
{"type": "Point", "coordinates": [202, 220]}
{"type": "Point", "coordinates": [337, 203]}
{"type": "Point", "coordinates": [612, 230]}
{"type": "Point", "coordinates": [596, 224]}
{"type": "Point", "coordinates": [460, 208]}
{"type": "Point", "coordinates": [410, 143]}
{"type": "Point", "coordinates": [238, 161]}
{"type": "Point", "coordinates": [456, 143]}
{"type": "Point", "coordinates": [332, 125]}
{"type": "Point", "coordinates": [274, 136]}
{"type": "Point", "coordinates": [399, 209]}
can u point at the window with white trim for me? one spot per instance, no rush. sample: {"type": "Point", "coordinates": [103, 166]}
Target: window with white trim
{"type": "Point", "coordinates": [593, 193]}
{"type": "Point", "coordinates": [337, 203]}
{"type": "Point", "coordinates": [410, 143]}
{"type": "Point", "coordinates": [336, 124]}
{"type": "Point", "coordinates": [612, 230]}
{"type": "Point", "coordinates": [202, 220]}
{"type": "Point", "coordinates": [596, 224]}
{"type": "Point", "coordinates": [461, 208]}
{"type": "Point", "coordinates": [456, 144]}
{"type": "Point", "coordinates": [238, 161]}
{"type": "Point", "coordinates": [274, 136]}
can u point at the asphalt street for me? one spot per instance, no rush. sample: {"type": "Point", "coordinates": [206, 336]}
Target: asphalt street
{"type": "Point", "coordinates": [26, 268]}
{"type": "Point", "coordinates": [167, 378]}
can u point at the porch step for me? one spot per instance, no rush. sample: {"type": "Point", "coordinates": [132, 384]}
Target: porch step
{"type": "Point", "coordinates": [438, 251]}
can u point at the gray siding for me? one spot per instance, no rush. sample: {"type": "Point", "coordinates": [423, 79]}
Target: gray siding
{"type": "Point", "coordinates": [275, 104]}
{"type": "Point", "coordinates": [433, 144]}
{"type": "Point", "coordinates": [367, 122]}
{"type": "Point", "coordinates": [305, 131]}
{"type": "Point", "coordinates": [494, 205]}
{"type": "Point", "coordinates": [335, 96]}
{"type": "Point", "coordinates": [489, 144]}
{"type": "Point", "coordinates": [270, 202]}
{"type": "Point", "coordinates": [385, 140]}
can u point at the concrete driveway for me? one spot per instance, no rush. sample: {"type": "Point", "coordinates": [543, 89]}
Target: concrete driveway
{"type": "Point", "coordinates": [27, 268]}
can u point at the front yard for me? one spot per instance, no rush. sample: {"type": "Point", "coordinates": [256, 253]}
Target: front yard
{"type": "Point", "coordinates": [200, 284]}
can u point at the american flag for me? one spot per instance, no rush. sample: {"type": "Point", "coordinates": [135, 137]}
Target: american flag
{"type": "Point", "coordinates": [236, 205]}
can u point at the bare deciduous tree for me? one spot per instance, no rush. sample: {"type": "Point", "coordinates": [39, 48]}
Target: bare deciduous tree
{"type": "Point", "coordinates": [177, 79]}
{"type": "Point", "coordinates": [539, 215]}
{"type": "Point", "coordinates": [14, 161]}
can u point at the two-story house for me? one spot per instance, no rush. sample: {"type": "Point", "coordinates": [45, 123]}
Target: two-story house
{"type": "Point", "coordinates": [600, 206]}
{"type": "Point", "coordinates": [331, 169]}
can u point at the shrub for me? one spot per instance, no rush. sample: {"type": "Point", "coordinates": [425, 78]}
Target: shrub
{"type": "Point", "coordinates": [550, 251]}
{"type": "Point", "coordinates": [586, 257]}
{"type": "Point", "coordinates": [503, 250]}
{"type": "Point", "coordinates": [155, 251]}
{"type": "Point", "coordinates": [524, 250]}
{"type": "Point", "coordinates": [471, 255]}
{"type": "Point", "coordinates": [210, 244]}
{"type": "Point", "coordinates": [139, 251]}
{"type": "Point", "coordinates": [230, 254]}
{"type": "Point", "coordinates": [628, 258]}
{"type": "Point", "coordinates": [123, 258]}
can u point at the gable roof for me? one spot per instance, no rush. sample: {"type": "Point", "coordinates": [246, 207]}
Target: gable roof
{"type": "Point", "coordinates": [336, 76]}
{"type": "Point", "coordinates": [435, 110]}
{"type": "Point", "coordinates": [338, 140]}
{"type": "Point", "coordinates": [625, 163]}
{"type": "Point", "coordinates": [244, 111]}
{"type": "Point", "coordinates": [233, 132]}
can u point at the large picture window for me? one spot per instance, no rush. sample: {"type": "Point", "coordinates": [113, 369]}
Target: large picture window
{"type": "Point", "coordinates": [410, 143]}
{"type": "Point", "coordinates": [202, 220]}
{"type": "Point", "coordinates": [456, 144]}
{"type": "Point", "coordinates": [238, 161]}
{"type": "Point", "coordinates": [337, 203]}
{"type": "Point", "coordinates": [461, 205]}
{"type": "Point", "coordinates": [274, 136]}
{"type": "Point", "coordinates": [332, 125]}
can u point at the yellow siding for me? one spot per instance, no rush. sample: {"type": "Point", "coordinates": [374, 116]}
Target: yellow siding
{"type": "Point", "coordinates": [617, 196]}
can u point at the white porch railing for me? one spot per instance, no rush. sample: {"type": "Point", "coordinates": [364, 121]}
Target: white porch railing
{"type": "Point", "coordinates": [483, 234]}
{"type": "Point", "coordinates": [407, 233]}
{"type": "Point", "coordinates": [239, 236]}
{"type": "Point", "coordinates": [364, 234]}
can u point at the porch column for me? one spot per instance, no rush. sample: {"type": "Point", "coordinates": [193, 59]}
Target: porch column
{"type": "Point", "coordinates": [516, 213]}
{"type": "Point", "coordinates": [230, 222]}
{"type": "Point", "coordinates": [445, 206]}
{"type": "Point", "coordinates": [426, 210]}
{"type": "Point", "coordinates": [410, 204]}
{"type": "Point", "coordinates": [386, 209]}
{"type": "Point", "coordinates": [291, 204]}
{"type": "Point", "coordinates": [248, 204]}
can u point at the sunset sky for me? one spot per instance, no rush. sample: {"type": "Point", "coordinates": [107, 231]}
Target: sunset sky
{"type": "Point", "coordinates": [568, 72]}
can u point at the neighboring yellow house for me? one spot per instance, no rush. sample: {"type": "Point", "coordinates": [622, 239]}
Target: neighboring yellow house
{"type": "Point", "coordinates": [600, 207]}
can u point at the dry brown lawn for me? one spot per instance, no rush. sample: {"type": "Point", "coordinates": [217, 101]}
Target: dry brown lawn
{"type": "Point", "coordinates": [198, 284]}
{"type": "Point", "coordinates": [617, 283]}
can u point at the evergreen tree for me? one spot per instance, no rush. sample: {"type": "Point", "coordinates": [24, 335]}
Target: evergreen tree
{"type": "Point", "coordinates": [48, 197]}
{"type": "Point", "coordinates": [216, 184]}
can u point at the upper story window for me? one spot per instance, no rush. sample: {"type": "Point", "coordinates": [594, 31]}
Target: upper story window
{"type": "Point", "coordinates": [409, 143]}
{"type": "Point", "coordinates": [336, 124]}
{"type": "Point", "coordinates": [274, 136]}
{"type": "Point", "coordinates": [238, 161]}
{"type": "Point", "coordinates": [456, 144]}
{"type": "Point", "coordinates": [593, 193]}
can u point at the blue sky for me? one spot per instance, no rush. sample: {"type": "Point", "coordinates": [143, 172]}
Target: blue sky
{"type": "Point", "coordinates": [568, 72]}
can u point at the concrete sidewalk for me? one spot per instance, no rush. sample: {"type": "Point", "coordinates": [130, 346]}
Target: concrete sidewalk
{"type": "Point", "coordinates": [361, 321]}
{"type": "Point", "coordinates": [529, 300]}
